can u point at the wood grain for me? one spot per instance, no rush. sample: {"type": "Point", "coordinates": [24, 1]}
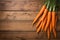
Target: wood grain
{"type": "Point", "coordinates": [8, 15]}
{"type": "Point", "coordinates": [20, 15]}
{"type": "Point", "coordinates": [20, 25]}
{"type": "Point", "coordinates": [17, 10]}
{"type": "Point", "coordinates": [29, 5]}
{"type": "Point", "coordinates": [25, 35]}
{"type": "Point", "coordinates": [16, 18]}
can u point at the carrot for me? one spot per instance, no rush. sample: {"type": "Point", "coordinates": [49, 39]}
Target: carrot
{"type": "Point", "coordinates": [39, 28]}
{"type": "Point", "coordinates": [39, 22]}
{"type": "Point", "coordinates": [42, 18]}
{"type": "Point", "coordinates": [44, 22]}
{"type": "Point", "coordinates": [48, 19]}
{"type": "Point", "coordinates": [40, 13]}
{"type": "Point", "coordinates": [54, 32]}
{"type": "Point", "coordinates": [51, 23]}
{"type": "Point", "coordinates": [43, 9]}
{"type": "Point", "coordinates": [45, 12]}
{"type": "Point", "coordinates": [54, 29]}
{"type": "Point", "coordinates": [51, 26]}
{"type": "Point", "coordinates": [53, 19]}
{"type": "Point", "coordinates": [48, 33]}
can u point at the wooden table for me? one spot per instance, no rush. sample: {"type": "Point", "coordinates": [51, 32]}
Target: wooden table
{"type": "Point", "coordinates": [16, 18]}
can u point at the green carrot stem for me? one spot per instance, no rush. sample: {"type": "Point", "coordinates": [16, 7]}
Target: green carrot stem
{"type": "Point", "coordinates": [54, 8]}
{"type": "Point", "coordinates": [48, 4]}
{"type": "Point", "coordinates": [50, 9]}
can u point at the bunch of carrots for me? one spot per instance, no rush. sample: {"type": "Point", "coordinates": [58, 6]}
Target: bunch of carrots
{"type": "Point", "coordinates": [46, 18]}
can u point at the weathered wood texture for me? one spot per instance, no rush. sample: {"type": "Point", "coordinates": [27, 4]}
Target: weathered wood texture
{"type": "Point", "coordinates": [21, 5]}
{"type": "Point", "coordinates": [20, 25]}
{"type": "Point", "coordinates": [17, 25]}
{"type": "Point", "coordinates": [13, 13]}
{"type": "Point", "coordinates": [16, 18]}
{"type": "Point", "coordinates": [17, 35]}
{"type": "Point", "coordinates": [8, 15]}
{"type": "Point", "coordinates": [21, 9]}
{"type": "Point", "coordinates": [20, 15]}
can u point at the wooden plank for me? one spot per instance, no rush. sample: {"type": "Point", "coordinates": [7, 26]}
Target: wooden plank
{"type": "Point", "coordinates": [28, 39]}
{"type": "Point", "coordinates": [26, 35]}
{"type": "Point", "coordinates": [19, 15]}
{"type": "Point", "coordinates": [31, 5]}
{"type": "Point", "coordinates": [20, 25]}
{"type": "Point", "coordinates": [17, 25]}
{"type": "Point", "coordinates": [8, 15]}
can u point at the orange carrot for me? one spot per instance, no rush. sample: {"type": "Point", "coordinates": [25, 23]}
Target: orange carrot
{"type": "Point", "coordinates": [44, 14]}
{"type": "Point", "coordinates": [54, 29]}
{"type": "Point", "coordinates": [39, 28]}
{"type": "Point", "coordinates": [53, 19]}
{"type": "Point", "coordinates": [48, 20]}
{"type": "Point", "coordinates": [39, 22]}
{"type": "Point", "coordinates": [48, 33]}
{"type": "Point", "coordinates": [42, 18]}
{"type": "Point", "coordinates": [40, 13]}
{"type": "Point", "coordinates": [54, 32]}
{"type": "Point", "coordinates": [51, 26]}
{"type": "Point", "coordinates": [44, 22]}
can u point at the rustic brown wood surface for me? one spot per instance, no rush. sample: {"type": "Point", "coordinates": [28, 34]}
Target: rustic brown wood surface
{"type": "Point", "coordinates": [22, 5]}
{"type": "Point", "coordinates": [16, 18]}
{"type": "Point", "coordinates": [26, 35]}
{"type": "Point", "coordinates": [24, 25]}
